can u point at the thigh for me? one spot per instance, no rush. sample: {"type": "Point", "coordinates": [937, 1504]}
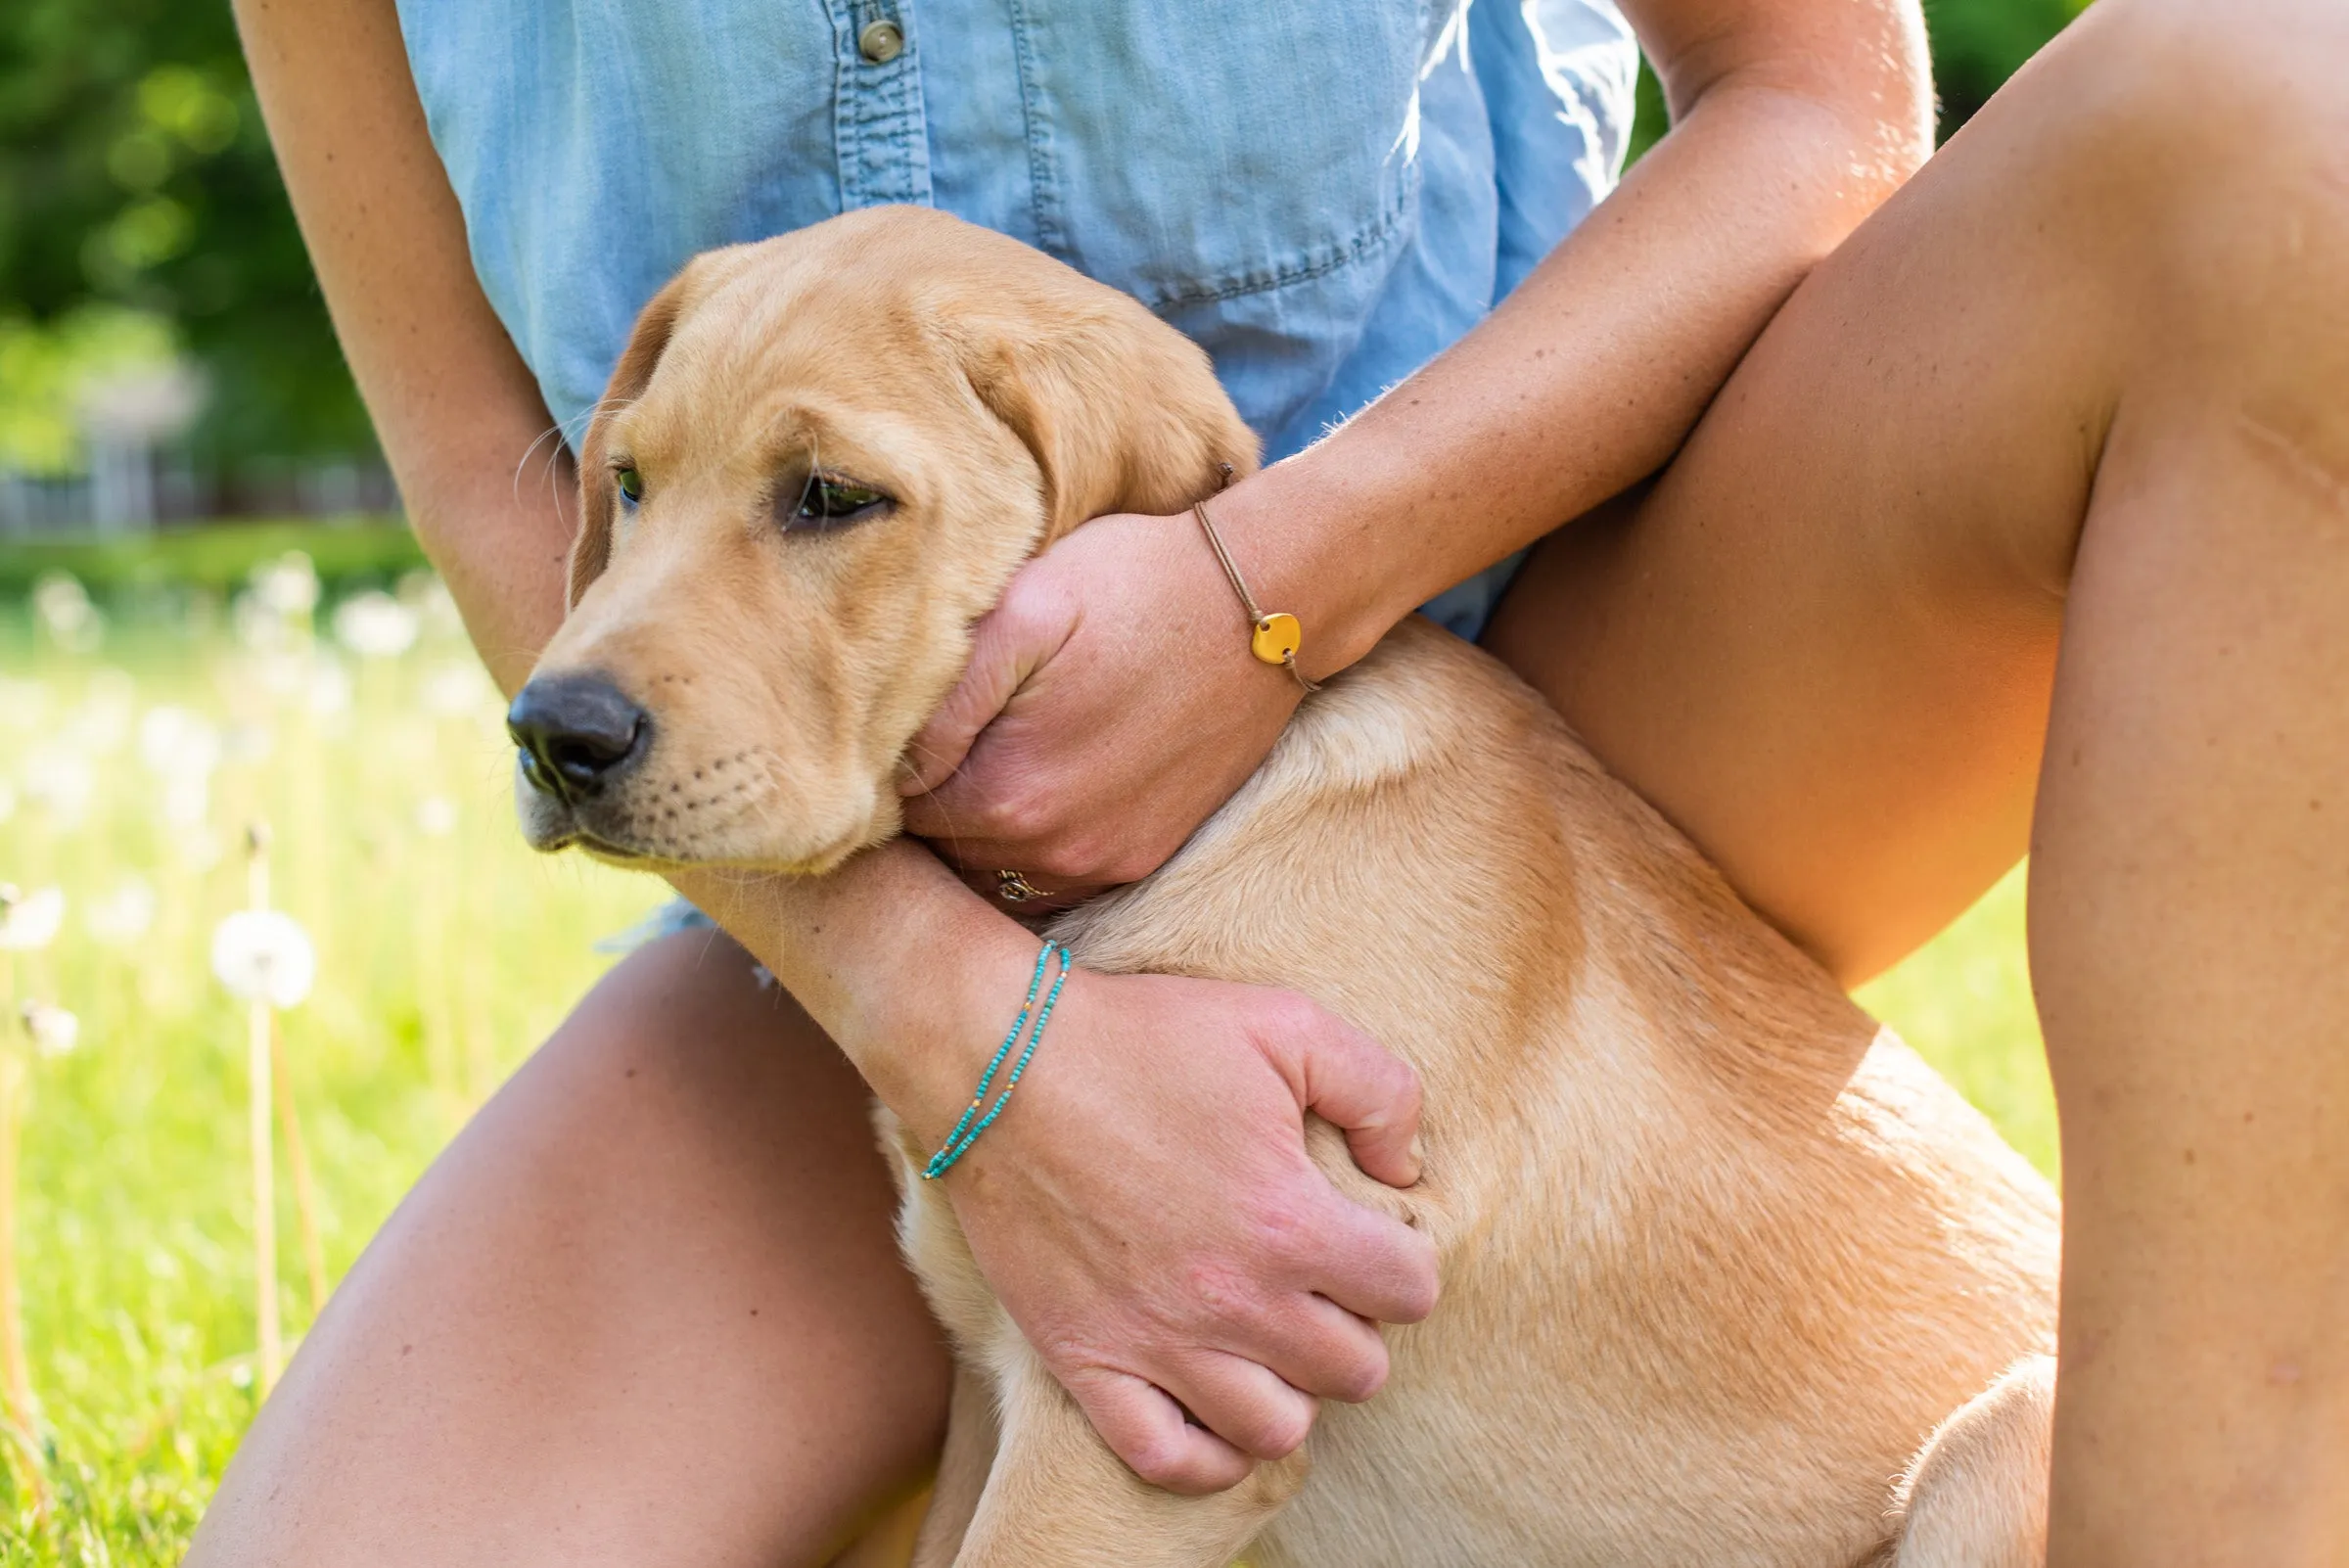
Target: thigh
{"type": "Point", "coordinates": [647, 1309]}
{"type": "Point", "coordinates": [1823, 640]}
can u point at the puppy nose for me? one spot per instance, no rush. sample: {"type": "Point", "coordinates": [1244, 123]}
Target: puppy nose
{"type": "Point", "coordinates": [575, 731]}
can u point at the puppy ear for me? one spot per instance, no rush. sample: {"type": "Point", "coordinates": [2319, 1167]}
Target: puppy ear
{"type": "Point", "coordinates": [591, 550]}
{"type": "Point", "coordinates": [1120, 412]}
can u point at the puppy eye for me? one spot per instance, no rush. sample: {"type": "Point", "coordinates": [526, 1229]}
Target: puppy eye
{"type": "Point", "coordinates": [631, 485]}
{"type": "Point", "coordinates": [828, 501]}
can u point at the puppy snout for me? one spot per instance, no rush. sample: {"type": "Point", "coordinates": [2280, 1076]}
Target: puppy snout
{"type": "Point", "coordinates": [577, 732]}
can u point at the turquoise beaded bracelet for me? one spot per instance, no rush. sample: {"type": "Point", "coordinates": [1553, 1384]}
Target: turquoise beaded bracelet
{"type": "Point", "coordinates": [966, 1132]}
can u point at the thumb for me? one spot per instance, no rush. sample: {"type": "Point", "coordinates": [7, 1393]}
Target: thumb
{"type": "Point", "coordinates": [1007, 645]}
{"type": "Point", "coordinates": [1368, 1092]}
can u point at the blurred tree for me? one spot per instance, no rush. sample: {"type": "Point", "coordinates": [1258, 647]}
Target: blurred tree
{"type": "Point", "coordinates": [135, 176]}
{"type": "Point", "coordinates": [1978, 44]}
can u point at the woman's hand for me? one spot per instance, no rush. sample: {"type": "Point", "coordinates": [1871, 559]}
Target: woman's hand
{"type": "Point", "coordinates": [1148, 1213]}
{"type": "Point", "coordinates": [1110, 707]}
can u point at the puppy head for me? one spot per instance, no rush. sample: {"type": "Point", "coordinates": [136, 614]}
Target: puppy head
{"type": "Point", "coordinates": [820, 460]}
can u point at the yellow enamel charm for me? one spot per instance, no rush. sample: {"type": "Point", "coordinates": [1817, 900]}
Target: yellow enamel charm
{"type": "Point", "coordinates": [1276, 638]}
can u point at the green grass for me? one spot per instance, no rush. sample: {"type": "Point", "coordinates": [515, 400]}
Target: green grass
{"type": "Point", "coordinates": [217, 557]}
{"type": "Point", "coordinates": [445, 950]}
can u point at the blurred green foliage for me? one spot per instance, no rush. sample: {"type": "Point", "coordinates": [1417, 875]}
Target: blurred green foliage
{"type": "Point", "coordinates": [368, 550]}
{"type": "Point", "coordinates": [140, 211]}
{"type": "Point", "coordinates": [135, 177]}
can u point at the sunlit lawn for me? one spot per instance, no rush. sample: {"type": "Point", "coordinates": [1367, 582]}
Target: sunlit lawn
{"type": "Point", "coordinates": [444, 951]}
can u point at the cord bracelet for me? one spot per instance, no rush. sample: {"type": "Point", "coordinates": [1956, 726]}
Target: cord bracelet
{"type": "Point", "coordinates": [967, 1129]}
{"type": "Point", "coordinates": [1273, 638]}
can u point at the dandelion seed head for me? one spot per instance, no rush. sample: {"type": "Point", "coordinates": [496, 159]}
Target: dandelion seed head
{"type": "Point", "coordinates": [61, 781]}
{"type": "Point", "coordinates": [55, 1032]}
{"type": "Point", "coordinates": [100, 725]}
{"type": "Point", "coordinates": [178, 743]}
{"type": "Point", "coordinates": [264, 956]}
{"type": "Point", "coordinates": [435, 816]}
{"type": "Point", "coordinates": [375, 625]}
{"type": "Point", "coordinates": [29, 921]}
{"type": "Point", "coordinates": [327, 693]}
{"type": "Point", "coordinates": [456, 689]}
{"type": "Point", "coordinates": [287, 585]}
{"type": "Point", "coordinates": [123, 914]}
{"type": "Point", "coordinates": [63, 607]}
{"type": "Point", "coordinates": [187, 799]}
{"type": "Point", "coordinates": [199, 848]}
{"type": "Point", "coordinates": [24, 703]}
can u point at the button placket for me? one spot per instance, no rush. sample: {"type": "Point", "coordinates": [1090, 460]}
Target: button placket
{"type": "Point", "coordinates": [880, 131]}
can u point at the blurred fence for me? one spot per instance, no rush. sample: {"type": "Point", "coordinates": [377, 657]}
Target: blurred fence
{"type": "Point", "coordinates": [130, 490]}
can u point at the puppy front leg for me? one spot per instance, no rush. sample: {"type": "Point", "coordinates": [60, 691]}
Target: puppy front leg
{"type": "Point", "coordinates": [962, 1471]}
{"type": "Point", "coordinates": [1058, 1498]}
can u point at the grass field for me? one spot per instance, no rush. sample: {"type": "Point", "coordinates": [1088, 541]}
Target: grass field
{"type": "Point", "coordinates": [132, 755]}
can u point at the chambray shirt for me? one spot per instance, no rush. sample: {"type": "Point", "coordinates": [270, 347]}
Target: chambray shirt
{"type": "Point", "coordinates": [1321, 193]}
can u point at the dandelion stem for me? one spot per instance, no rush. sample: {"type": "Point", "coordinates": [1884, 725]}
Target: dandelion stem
{"type": "Point", "coordinates": [258, 1034]}
{"type": "Point", "coordinates": [22, 1416]}
{"type": "Point", "coordinates": [297, 1159]}
{"type": "Point", "coordinates": [15, 1367]}
{"type": "Point", "coordinates": [264, 1195]}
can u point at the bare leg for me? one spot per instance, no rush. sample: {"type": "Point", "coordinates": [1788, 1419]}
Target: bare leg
{"type": "Point", "coordinates": [646, 1310]}
{"type": "Point", "coordinates": [2088, 376]}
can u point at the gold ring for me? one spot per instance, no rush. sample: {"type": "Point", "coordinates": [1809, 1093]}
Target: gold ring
{"type": "Point", "coordinates": [1013, 888]}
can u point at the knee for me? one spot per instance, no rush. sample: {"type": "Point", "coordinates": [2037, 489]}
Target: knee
{"type": "Point", "coordinates": [2202, 91]}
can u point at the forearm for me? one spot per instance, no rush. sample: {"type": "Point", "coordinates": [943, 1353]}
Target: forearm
{"type": "Point", "coordinates": [455, 408]}
{"type": "Point", "coordinates": [1591, 374]}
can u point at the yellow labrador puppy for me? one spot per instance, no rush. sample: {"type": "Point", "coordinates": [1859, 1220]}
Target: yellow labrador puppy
{"type": "Point", "coordinates": [1710, 1293]}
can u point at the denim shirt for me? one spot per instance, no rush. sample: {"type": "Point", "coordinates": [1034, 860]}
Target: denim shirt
{"type": "Point", "coordinates": [1321, 193]}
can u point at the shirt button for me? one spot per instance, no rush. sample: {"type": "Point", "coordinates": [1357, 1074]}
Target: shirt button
{"type": "Point", "coordinates": [880, 42]}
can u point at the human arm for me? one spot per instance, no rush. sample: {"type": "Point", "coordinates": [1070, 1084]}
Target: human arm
{"type": "Point", "coordinates": [1793, 120]}
{"type": "Point", "coordinates": [1152, 1088]}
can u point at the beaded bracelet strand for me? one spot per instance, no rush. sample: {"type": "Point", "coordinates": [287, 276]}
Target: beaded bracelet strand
{"type": "Point", "coordinates": [967, 1129]}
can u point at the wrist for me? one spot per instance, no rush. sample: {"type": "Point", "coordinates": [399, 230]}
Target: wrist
{"type": "Point", "coordinates": [939, 1034]}
{"type": "Point", "coordinates": [1308, 544]}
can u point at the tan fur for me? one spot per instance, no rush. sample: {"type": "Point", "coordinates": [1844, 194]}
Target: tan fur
{"type": "Point", "coordinates": [1719, 1254]}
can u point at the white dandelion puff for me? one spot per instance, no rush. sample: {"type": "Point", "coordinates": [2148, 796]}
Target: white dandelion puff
{"type": "Point", "coordinates": [435, 816]}
{"type": "Point", "coordinates": [328, 691]}
{"type": "Point", "coordinates": [264, 956]}
{"type": "Point", "coordinates": [187, 799]}
{"type": "Point", "coordinates": [60, 782]}
{"type": "Point", "coordinates": [199, 848]}
{"type": "Point", "coordinates": [436, 613]}
{"type": "Point", "coordinates": [23, 704]}
{"type": "Point", "coordinates": [287, 585]}
{"type": "Point", "coordinates": [64, 611]}
{"type": "Point", "coordinates": [123, 914]}
{"type": "Point", "coordinates": [102, 723]}
{"type": "Point", "coordinates": [54, 1031]}
{"type": "Point", "coordinates": [178, 743]}
{"type": "Point", "coordinates": [375, 625]}
{"type": "Point", "coordinates": [29, 921]}
{"type": "Point", "coordinates": [456, 689]}
{"type": "Point", "coordinates": [248, 744]}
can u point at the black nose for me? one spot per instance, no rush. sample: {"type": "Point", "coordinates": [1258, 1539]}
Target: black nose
{"type": "Point", "coordinates": [575, 732]}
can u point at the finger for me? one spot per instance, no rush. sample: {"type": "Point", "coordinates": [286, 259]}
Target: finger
{"type": "Point", "coordinates": [1366, 1091]}
{"type": "Point", "coordinates": [1372, 1265]}
{"type": "Point", "coordinates": [1321, 1348]}
{"type": "Point", "coordinates": [1007, 645]}
{"type": "Point", "coordinates": [1144, 1426]}
{"type": "Point", "coordinates": [1246, 1405]}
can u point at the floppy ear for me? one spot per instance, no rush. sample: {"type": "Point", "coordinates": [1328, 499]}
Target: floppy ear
{"type": "Point", "coordinates": [1120, 412]}
{"type": "Point", "coordinates": [591, 550]}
